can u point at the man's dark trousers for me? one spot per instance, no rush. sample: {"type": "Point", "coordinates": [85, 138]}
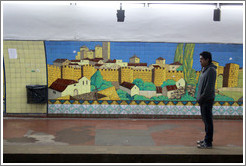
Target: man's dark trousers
{"type": "Point", "coordinates": [207, 117]}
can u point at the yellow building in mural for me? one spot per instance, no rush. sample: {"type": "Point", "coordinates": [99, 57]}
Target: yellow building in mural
{"type": "Point", "coordinates": [231, 71]}
{"type": "Point", "coordinates": [134, 59]}
{"type": "Point", "coordinates": [61, 62]}
{"type": "Point", "coordinates": [88, 71]}
{"type": "Point", "coordinates": [106, 50]}
{"type": "Point", "coordinates": [80, 62]}
{"type": "Point", "coordinates": [221, 70]}
{"type": "Point", "coordinates": [130, 88]}
{"type": "Point", "coordinates": [110, 74]}
{"type": "Point", "coordinates": [159, 75]}
{"type": "Point", "coordinates": [160, 61]}
{"type": "Point", "coordinates": [124, 74]}
{"type": "Point", "coordinates": [217, 72]}
{"type": "Point", "coordinates": [71, 73]}
{"type": "Point", "coordinates": [120, 63]}
{"type": "Point", "coordinates": [145, 75]}
{"type": "Point", "coordinates": [99, 52]}
{"type": "Point", "coordinates": [89, 61]}
{"type": "Point", "coordinates": [68, 87]}
{"type": "Point", "coordinates": [54, 72]}
{"type": "Point", "coordinates": [82, 87]}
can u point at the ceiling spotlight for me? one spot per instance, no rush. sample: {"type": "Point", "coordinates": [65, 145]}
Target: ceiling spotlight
{"type": "Point", "coordinates": [120, 14]}
{"type": "Point", "coordinates": [217, 13]}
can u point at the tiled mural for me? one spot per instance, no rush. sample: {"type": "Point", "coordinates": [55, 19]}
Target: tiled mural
{"type": "Point", "coordinates": [139, 71]}
{"type": "Point", "coordinates": [134, 77]}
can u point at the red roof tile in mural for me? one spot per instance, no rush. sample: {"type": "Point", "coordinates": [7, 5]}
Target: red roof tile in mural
{"type": "Point", "coordinates": [134, 56]}
{"type": "Point", "coordinates": [75, 60]}
{"type": "Point", "coordinates": [176, 63]}
{"type": "Point", "coordinates": [96, 59]}
{"type": "Point", "coordinates": [98, 65]}
{"type": "Point", "coordinates": [127, 85]}
{"type": "Point", "coordinates": [155, 66]}
{"type": "Point", "coordinates": [73, 64]}
{"type": "Point", "coordinates": [61, 84]}
{"type": "Point", "coordinates": [137, 64]}
{"type": "Point", "coordinates": [60, 60]}
{"type": "Point", "coordinates": [171, 87]}
{"type": "Point", "coordinates": [111, 61]}
{"type": "Point", "coordinates": [158, 89]}
{"type": "Point", "coordinates": [160, 58]}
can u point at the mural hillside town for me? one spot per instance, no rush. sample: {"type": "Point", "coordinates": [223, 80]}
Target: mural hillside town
{"type": "Point", "coordinates": [139, 70]}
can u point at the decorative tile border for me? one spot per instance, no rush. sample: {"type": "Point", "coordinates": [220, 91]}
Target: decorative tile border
{"type": "Point", "coordinates": [139, 102]}
{"type": "Point", "coordinates": [103, 109]}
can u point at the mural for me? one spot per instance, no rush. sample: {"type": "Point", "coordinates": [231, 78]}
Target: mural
{"type": "Point", "coordinates": [120, 79]}
{"type": "Point", "coordinates": [139, 71]}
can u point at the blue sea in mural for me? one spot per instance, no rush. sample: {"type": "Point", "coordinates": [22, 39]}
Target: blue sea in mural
{"type": "Point", "coordinates": [146, 51]}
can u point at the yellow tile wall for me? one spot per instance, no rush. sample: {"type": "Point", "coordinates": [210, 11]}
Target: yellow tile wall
{"type": "Point", "coordinates": [28, 69]}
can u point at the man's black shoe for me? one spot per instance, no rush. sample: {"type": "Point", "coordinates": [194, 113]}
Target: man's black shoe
{"type": "Point", "coordinates": [204, 146]}
{"type": "Point", "coordinates": [200, 142]}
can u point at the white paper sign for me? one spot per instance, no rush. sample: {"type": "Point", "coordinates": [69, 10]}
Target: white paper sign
{"type": "Point", "coordinates": [12, 53]}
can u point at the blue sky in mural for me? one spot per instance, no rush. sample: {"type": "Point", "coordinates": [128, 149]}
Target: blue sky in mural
{"type": "Point", "coordinates": [147, 52]}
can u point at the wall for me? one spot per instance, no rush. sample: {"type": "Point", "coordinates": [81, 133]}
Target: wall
{"type": "Point", "coordinates": [28, 68]}
{"type": "Point", "coordinates": [90, 24]}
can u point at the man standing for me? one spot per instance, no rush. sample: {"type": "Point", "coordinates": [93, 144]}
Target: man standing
{"type": "Point", "coordinates": [205, 97]}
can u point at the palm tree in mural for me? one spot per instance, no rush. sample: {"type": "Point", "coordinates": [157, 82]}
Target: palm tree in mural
{"type": "Point", "coordinates": [184, 55]}
{"type": "Point", "coordinates": [179, 53]}
{"type": "Point", "coordinates": [189, 72]}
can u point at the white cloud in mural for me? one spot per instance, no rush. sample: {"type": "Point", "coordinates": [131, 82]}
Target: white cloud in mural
{"type": "Point", "coordinates": [74, 51]}
{"type": "Point", "coordinates": [230, 58]}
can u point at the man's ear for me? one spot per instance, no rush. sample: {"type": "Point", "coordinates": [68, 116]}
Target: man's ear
{"type": "Point", "coordinates": [207, 61]}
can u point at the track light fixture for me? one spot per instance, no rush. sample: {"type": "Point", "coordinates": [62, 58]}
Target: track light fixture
{"type": "Point", "coordinates": [120, 14]}
{"type": "Point", "coordinates": [217, 13]}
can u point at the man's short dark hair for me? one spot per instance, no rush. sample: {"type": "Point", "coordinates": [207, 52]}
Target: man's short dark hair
{"type": "Point", "coordinates": [207, 55]}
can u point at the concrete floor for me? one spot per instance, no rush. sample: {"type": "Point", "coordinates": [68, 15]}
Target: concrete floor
{"type": "Point", "coordinates": [118, 136]}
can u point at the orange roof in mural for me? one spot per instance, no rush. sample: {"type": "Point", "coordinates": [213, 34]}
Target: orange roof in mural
{"type": "Point", "coordinates": [171, 87]}
{"type": "Point", "coordinates": [75, 60]}
{"type": "Point", "coordinates": [98, 65]}
{"type": "Point", "coordinates": [137, 64]}
{"type": "Point", "coordinates": [175, 63]}
{"type": "Point", "coordinates": [127, 85]}
{"type": "Point", "coordinates": [96, 59]}
{"type": "Point", "coordinates": [156, 66]}
{"type": "Point", "coordinates": [73, 64]}
{"type": "Point", "coordinates": [158, 89]}
{"type": "Point", "coordinates": [60, 60]}
{"type": "Point", "coordinates": [111, 61]}
{"type": "Point", "coordinates": [134, 56]}
{"type": "Point", "coordinates": [61, 84]}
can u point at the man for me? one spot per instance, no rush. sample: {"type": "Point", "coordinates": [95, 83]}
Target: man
{"type": "Point", "coordinates": [205, 97]}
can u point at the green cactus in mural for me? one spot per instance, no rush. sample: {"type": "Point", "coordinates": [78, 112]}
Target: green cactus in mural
{"type": "Point", "coordinates": [168, 82]}
{"type": "Point", "coordinates": [192, 79]}
{"type": "Point", "coordinates": [179, 53]}
{"type": "Point", "coordinates": [98, 83]}
{"type": "Point", "coordinates": [97, 79]}
{"type": "Point", "coordinates": [144, 85]}
{"type": "Point", "coordinates": [139, 82]}
{"type": "Point", "coordinates": [189, 73]}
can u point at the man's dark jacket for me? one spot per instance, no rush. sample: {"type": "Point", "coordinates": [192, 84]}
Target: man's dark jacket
{"type": "Point", "coordinates": [206, 87]}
